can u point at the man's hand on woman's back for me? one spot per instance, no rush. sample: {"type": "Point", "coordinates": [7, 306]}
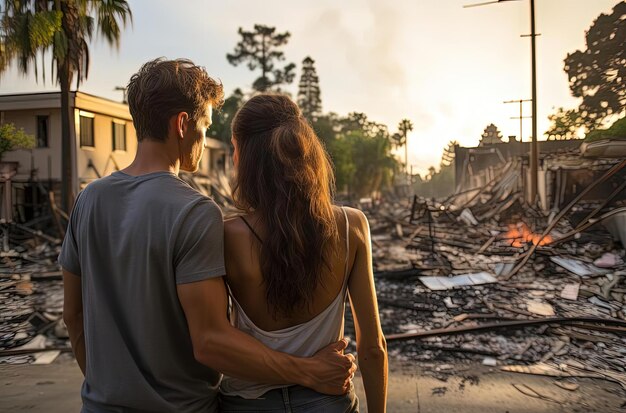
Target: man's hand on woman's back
{"type": "Point", "coordinates": [331, 371]}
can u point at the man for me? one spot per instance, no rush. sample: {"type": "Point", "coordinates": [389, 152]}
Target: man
{"type": "Point", "coordinates": [145, 301]}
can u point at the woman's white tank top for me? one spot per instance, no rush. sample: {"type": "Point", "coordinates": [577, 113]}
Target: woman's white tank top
{"type": "Point", "coordinates": [302, 340]}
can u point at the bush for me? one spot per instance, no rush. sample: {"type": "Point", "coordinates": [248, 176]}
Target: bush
{"type": "Point", "coordinates": [12, 138]}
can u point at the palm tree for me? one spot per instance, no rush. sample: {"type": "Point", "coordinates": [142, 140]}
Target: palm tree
{"type": "Point", "coordinates": [30, 28]}
{"type": "Point", "coordinates": [404, 127]}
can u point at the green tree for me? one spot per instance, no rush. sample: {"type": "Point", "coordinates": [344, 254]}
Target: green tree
{"type": "Point", "coordinates": [340, 150]}
{"type": "Point", "coordinates": [361, 153]}
{"type": "Point", "coordinates": [221, 122]}
{"type": "Point", "coordinates": [260, 48]}
{"type": "Point", "coordinates": [63, 28]}
{"type": "Point", "coordinates": [598, 73]}
{"type": "Point", "coordinates": [357, 121]}
{"type": "Point", "coordinates": [309, 98]}
{"type": "Point", "coordinates": [564, 124]}
{"type": "Point", "coordinates": [373, 163]}
{"type": "Point", "coordinates": [617, 131]}
{"type": "Point", "coordinates": [12, 138]}
{"type": "Point", "coordinates": [327, 127]}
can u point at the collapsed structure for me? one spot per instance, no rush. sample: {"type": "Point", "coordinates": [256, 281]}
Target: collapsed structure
{"type": "Point", "coordinates": [483, 275]}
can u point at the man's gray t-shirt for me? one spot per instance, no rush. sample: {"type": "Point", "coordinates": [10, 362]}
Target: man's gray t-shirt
{"type": "Point", "coordinates": [132, 240]}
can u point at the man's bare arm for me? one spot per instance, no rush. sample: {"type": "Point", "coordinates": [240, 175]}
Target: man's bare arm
{"type": "Point", "coordinates": [224, 348]}
{"type": "Point", "coordinates": [73, 316]}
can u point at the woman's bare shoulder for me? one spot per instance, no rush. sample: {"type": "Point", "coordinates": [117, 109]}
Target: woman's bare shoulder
{"type": "Point", "coordinates": [234, 226]}
{"type": "Point", "coordinates": [358, 222]}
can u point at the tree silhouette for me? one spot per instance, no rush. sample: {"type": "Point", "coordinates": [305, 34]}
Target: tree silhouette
{"type": "Point", "coordinates": [63, 28]}
{"type": "Point", "coordinates": [397, 140]}
{"type": "Point", "coordinates": [260, 48]}
{"type": "Point", "coordinates": [404, 127]}
{"type": "Point", "coordinates": [564, 124]}
{"type": "Point", "coordinates": [490, 136]}
{"type": "Point", "coordinates": [598, 74]}
{"type": "Point", "coordinates": [358, 121]}
{"type": "Point", "coordinates": [309, 98]}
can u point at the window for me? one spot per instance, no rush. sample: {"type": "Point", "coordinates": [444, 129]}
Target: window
{"type": "Point", "coordinates": [42, 131]}
{"type": "Point", "coordinates": [119, 135]}
{"type": "Point", "coordinates": [86, 129]}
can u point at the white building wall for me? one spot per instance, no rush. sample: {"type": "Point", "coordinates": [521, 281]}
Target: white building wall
{"type": "Point", "coordinates": [102, 156]}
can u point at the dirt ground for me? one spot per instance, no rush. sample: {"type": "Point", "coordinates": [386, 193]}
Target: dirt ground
{"type": "Point", "coordinates": [55, 388]}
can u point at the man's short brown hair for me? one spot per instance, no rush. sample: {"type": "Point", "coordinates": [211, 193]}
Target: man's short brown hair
{"type": "Point", "coordinates": [162, 88]}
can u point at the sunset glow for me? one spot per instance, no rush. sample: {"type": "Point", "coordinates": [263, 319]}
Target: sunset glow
{"type": "Point", "coordinates": [445, 67]}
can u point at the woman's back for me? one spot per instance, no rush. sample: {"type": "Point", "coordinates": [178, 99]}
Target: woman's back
{"type": "Point", "coordinates": [301, 333]}
{"type": "Point", "coordinates": [246, 282]}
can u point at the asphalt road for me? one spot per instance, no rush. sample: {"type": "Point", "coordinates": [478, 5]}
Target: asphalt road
{"type": "Point", "coordinates": [55, 388]}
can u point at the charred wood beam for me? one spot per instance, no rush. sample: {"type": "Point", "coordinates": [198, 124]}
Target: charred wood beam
{"type": "Point", "coordinates": [509, 325]}
{"type": "Point", "coordinates": [407, 306]}
{"type": "Point", "coordinates": [5, 353]}
{"type": "Point", "coordinates": [454, 349]}
{"type": "Point", "coordinates": [586, 225]}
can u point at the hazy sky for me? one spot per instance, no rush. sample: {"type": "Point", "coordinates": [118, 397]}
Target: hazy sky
{"type": "Point", "coordinates": [446, 68]}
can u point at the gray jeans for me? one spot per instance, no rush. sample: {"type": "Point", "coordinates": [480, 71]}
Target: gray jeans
{"type": "Point", "coordinates": [293, 399]}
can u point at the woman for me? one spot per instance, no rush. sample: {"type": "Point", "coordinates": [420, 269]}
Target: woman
{"type": "Point", "coordinates": [294, 258]}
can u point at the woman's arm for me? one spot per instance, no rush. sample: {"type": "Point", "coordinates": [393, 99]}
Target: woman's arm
{"type": "Point", "coordinates": [370, 341]}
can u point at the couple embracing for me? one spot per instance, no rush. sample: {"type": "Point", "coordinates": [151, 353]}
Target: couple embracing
{"type": "Point", "coordinates": [171, 309]}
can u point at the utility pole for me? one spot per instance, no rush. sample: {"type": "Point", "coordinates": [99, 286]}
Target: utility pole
{"type": "Point", "coordinates": [521, 115]}
{"type": "Point", "coordinates": [534, 150]}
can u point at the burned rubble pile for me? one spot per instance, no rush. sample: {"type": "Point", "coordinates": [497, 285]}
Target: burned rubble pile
{"type": "Point", "coordinates": [479, 277]}
{"type": "Point", "coordinates": [31, 299]}
{"type": "Point", "coordinates": [489, 279]}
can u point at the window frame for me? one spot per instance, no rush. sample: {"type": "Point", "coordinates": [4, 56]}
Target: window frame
{"type": "Point", "coordinates": [114, 123]}
{"type": "Point", "coordinates": [39, 118]}
{"type": "Point", "coordinates": [87, 115]}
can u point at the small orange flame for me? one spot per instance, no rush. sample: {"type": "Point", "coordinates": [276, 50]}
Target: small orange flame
{"type": "Point", "coordinates": [519, 235]}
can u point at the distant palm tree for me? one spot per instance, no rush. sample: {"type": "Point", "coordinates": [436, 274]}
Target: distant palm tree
{"type": "Point", "coordinates": [30, 28]}
{"type": "Point", "coordinates": [404, 127]}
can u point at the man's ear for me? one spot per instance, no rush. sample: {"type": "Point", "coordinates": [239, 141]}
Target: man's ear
{"type": "Point", "coordinates": [178, 124]}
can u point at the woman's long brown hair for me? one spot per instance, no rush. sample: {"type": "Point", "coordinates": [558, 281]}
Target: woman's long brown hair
{"type": "Point", "coordinates": [285, 176]}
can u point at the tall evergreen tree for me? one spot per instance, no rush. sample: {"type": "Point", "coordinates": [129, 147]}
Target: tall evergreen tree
{"type": "Point", "coordinates": [309, 98]}
{"type": "Point", "coordinates": [62, 27]}
{"type": "Point", "coordinates": [260, 48]}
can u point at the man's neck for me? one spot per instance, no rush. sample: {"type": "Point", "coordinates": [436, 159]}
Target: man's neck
{"type": "Point", "coordinates": [153, 156]}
